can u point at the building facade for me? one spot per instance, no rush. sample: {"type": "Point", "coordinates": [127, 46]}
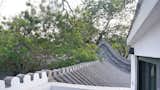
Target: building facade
{"type": "Point", "coordinates": [144, 40]}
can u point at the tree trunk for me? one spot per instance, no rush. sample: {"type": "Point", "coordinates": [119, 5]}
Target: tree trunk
{"type": "Point", "coordinates": [100, 37]}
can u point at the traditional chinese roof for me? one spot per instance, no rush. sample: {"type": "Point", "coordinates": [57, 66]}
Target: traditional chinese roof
{"type": "Point", "coordinates": [113, 70]}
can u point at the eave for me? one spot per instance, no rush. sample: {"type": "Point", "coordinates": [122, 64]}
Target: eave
{"type": "Point", "coordinates": [141, 20]}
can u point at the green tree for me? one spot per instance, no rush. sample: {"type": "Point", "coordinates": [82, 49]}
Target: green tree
{"type": "Point", "coordinates": [41, 34]}
{"type": "Point", "coordinates": [112, 19]}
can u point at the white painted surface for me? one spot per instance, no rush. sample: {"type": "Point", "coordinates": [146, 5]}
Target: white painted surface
{"type": "Point", "coordinates": [149, 44]}
{"type": "Point", "coordinates": [145, 39]}
{"type": "Point", "coordinates": [133, 72]}
{"type": "Point", "coordinates": [2, 84]}
{"type": "Point", "coordinates": [27, 80]}
{"type": "Point", "coordinates": [64, 86]}
{"type": "Point", "coordinates": [144, 12]}
{"type": "Point", "coordinates": [15, 82]}
{"type": "Point", "coordinates": [27, 83]}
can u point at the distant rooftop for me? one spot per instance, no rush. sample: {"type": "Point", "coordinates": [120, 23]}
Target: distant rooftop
{"type": "Point", "coordinates": [112, 71]}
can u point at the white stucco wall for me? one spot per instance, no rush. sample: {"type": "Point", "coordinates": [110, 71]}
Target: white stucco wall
{"type": "Point", "coordinates": [147, 39]}
{"type": "Point", "coordinates": [144, 12]}
{"type": "Point", "coordinates": [145, 36]}
{"type": "Point", "coordinates": [133, 72]}
{"type": "Point", "coordinates": [149, 44]}
{"type": "Point", "coordinates": [65, 86]}
{"type": "Point", "coordinates": [27, 84]}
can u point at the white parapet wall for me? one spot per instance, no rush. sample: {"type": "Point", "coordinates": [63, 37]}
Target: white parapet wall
{"type": "Point", "coordinates": [65, 86]}
{"type": "Point", "coordinates": [24, 82]}
{"type": "Point", "coordinates": [40, 81]}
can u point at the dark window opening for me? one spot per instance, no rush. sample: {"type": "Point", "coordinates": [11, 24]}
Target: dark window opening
{"type": "Point", "coordinates": [147, 75]}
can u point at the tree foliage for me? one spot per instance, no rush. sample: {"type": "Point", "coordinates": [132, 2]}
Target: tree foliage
{"type": "Point", "coordinates": [53, 35]}
{"type": "Point", "coordinates": [41, 38]}
{"type": "Point", "coordinates": [112, 18]}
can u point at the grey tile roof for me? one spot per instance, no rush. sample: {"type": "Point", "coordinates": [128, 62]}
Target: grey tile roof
{"type": "Point", "coordinates": [113, 71]}
{"type": "Point", "coordinates": [110, 55]}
